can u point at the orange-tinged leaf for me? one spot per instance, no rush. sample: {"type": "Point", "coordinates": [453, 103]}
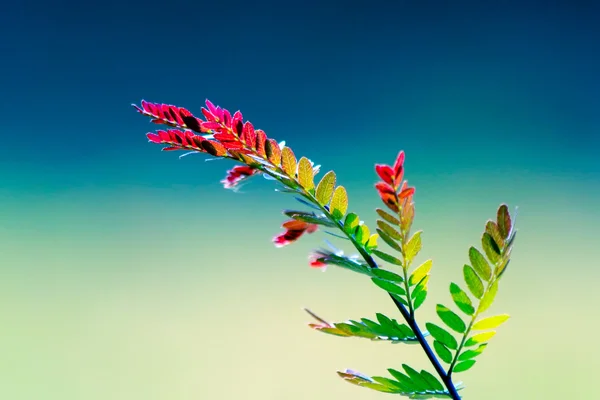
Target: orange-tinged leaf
{"type": "Point", "coordinates": [492, 228]}
{"type": "Point", "coordinates": [288, 162]}
{"type": "Point", "coordinates": [273, 151]}
{"type": "Point", "coordinates": [503, 221]}
{"type": "Point", "coordinates": [339, 202]}
{"type": "Point", "coordinates": [388, 217]}
{"type": "Point", "coordinates": [325, 188]}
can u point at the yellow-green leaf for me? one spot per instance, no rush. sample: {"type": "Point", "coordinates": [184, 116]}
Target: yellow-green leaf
{"type": "Point", "coordinates": [412, 247]}
{"type": "Point", "coordinates": [490, 322]}
{"type": "Point", "coordinates": [473, 282]}
{"type": "Point", "coordinates": [480, 338]}
{"type": "Point", "coordinates": [288, 162]}
{"type": "Point", "coordinates": [339, 203]}
{"type": "Point", "coordinates": [480, 264]}
{"type": "Point", "coordinates": [351, 223]}
{"type": "Point", "coordinates": [372, 242]}
{"type": "Point", "coordinates": [420, 272]}
{"type": "Point", "coordinates": [305, 174]}
{"type": "Point", "coordinates": [362, 234]}
{"type": "Point", "coordinates": [461, 299]}
{"type": "Point", "coordinates": [488, 298]}
{"type": "Point", "coordinates": [325, 188]}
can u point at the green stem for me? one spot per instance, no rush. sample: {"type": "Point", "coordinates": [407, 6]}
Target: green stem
{"type": "Point", "coordinates": [464, 339]}
{"type": "Point", "coordinates": [408, 315]}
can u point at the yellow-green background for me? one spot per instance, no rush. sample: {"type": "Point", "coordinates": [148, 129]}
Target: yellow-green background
{"type": "Point", "coordinates": [130, 274]}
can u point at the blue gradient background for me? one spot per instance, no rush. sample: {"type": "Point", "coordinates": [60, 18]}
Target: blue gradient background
{"type": "Point", "coordinates": [129, 274]}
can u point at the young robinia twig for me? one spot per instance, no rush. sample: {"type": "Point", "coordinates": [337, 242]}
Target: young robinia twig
{"type": "Point", "coordinates": [224, 135]}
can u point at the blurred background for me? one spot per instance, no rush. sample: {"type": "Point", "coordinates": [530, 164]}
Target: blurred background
{"type": "Point", "coordinates": [127, 273]}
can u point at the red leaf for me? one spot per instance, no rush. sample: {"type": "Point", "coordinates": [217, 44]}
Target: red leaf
{"type": "Point", "coordinates": [399, 163]}
{"type": "Point", "coordinates": [154, 138]}
{"type": "Point", "coordinates": [248, 135]}
{"type": "Point", "coordinates": [385, 172]}
{"type": "Point", "coordinates": [261, 140]}
{"type": "Point", "coordinates": [171, 148]}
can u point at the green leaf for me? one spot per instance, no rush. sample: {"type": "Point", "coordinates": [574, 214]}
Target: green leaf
{"type": "Point", "coordinates": [503, 221]}
{"type": "Point", "coordinates": [389, 286]}
{"type": "Point", "coordinates": [351, 223]}
{"type": "Point", "coordinates": [387, 257]}
{"type": "Point", "coordinates": [442, 335]}
{"type": "Point", "coordinates": [488, 298]}
{"type": "Point", "coordinates": [325, 188]}
{"type": "Point", "coordinates": [387, 275]}
{"type": "Point", "coordinates": [372, 242]}
{"type": "Point", "coordinates": [362, 234]}
{"type": "Point", "coordinates": [416, 377]}
{"type": "Point", "coordinates": [390, 242]}
{"type": "Point", "coordinates": [442, 351]}
{"type": "Point", "coordinates": [450, 318]}
{"type": "Point", "coordinates": [384, 226]}
{"type": "Point", "coordinates": [288, 162]}
{"type": "Point", "coordinates": [433, 382]}
{"type": "Point", "coordinates": [490, 247]}
{"type": "Point", "coordinates": [420, 272]}
{"type": "Point", "coordinates": [421, 287]}
{"type": "Point", "coordinates": [412, 247]}
{"type": "Point", "coordinates": [473, 282]}
{"type": "Point", "coordinates": [388, 217]}
{"type": "Point", "coordinates": [404, 380]}
{"type": "Point", "coordinates": [480, 264]}
{"type": "Point", "coordinates": [400, 299]}
{"type": "Point", "coordinates": [305, 174]}
{"type": "Point", "coordinates": [463, 366]}
{"type": "Point", "coordinates": [419, 299]}
{"type": "Point", "coordinates": [461, 299]}
{"type": "Point", "coordinates": [479, 338]}
{"type": "Point", "coordinates": [490, 322]}
{"type": "Point", "coordinates": [467, 355]}
{"type": "Point", "coordinates": [339, 203]}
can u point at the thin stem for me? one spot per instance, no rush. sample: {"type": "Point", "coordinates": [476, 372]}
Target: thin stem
{"type": "Point", "coordinates": [408, 315]}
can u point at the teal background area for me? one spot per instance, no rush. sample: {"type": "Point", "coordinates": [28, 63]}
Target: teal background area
{"type": "Point", "coordinates": [127, 273]}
